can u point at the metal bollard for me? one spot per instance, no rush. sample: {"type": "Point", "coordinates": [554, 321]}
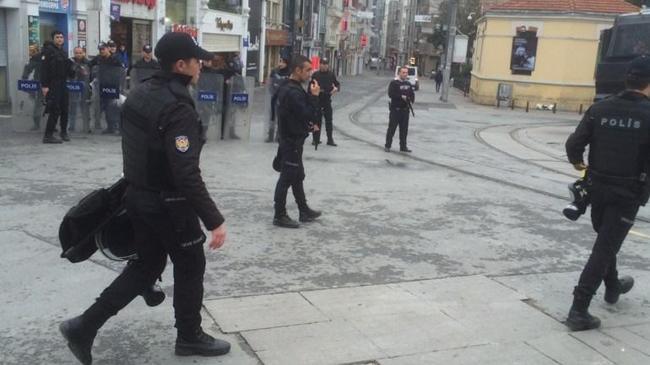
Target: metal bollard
{"type": "Point", "coordinates": [554, 108]}
{"type": "Point", "coordinates": [498, 103]}
{"type": "Point", "coordinates": [580, 111]}
{"type": "Point", "coordinates": [527, 106]}
{"type": "Point", "coordinates": [512, 105]}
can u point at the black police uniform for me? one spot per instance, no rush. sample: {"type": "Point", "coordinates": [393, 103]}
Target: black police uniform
{"type": "Point", "coordinates": [98, 65]}
{"type": "Point", "coordinates": [161, 145]}
{"type": "Point", "coordinates": [142, 64]}
{"type": "Point", "coordinates": [56, 68]}
{"type": "Point", "coordinates": [34, 65]}
{"type": "Point", "coordinates": [327, 81]}
{"type": "Point", "coordinates": [399, 112]}
{"type": "Point", "coordinates": [296, 111]}
{"type": "Point", "coordinates": [617, 130]}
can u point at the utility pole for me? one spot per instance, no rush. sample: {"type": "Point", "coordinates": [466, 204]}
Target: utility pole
{"type": "Point", "coordinates": [449, 53]}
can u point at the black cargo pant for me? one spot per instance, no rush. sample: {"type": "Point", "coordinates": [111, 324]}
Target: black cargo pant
{"type": "Point", "coordinates": [292, 174]}
{"type": "Point", "coordinates": [163, 226]}
{"type": "Point", "coordinates": [57, 106]}
{"type": "Point", "coordinates": [398, 116]}
{"type": "Point", "coordinates": [324, 111]}
{"type": "Point", "coordinates": [612, 217]}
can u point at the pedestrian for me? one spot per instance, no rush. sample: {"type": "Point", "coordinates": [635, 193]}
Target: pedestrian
{"type": "Point", "coordinates": [401, 96]}
{"type": "Point", "coordinates": [297, 112]}
{"type": "Point", "coordinates": [277, 78]}
{"type": "Point", "coordinates": [105, 59]}
{"type": "Point", "coordinates": [34, 66]}
{"type": "Point", "coordinates": [617, 131]}
{"type": "Point", "coordinates": [81, 69]}
{"type": "Point", "coordinates": [56, 68]}
{"type": "Point", "coordinates": [123, 56]}
{"type": "Point", "coordinates": [112, 46]}
{"type": "Point", "coordinates": [438, 79]}
{"type": "Point", "coordinates": [165, 199]}
{"type": "Point", "coordinates": [329, 87]}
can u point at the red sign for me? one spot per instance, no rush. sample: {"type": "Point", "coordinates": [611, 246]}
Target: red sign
{"type": "Point", "coordinates": [315, 62]}
{"type": "Point", "coordinates": [150, 4]}
{"type": "Point", "coordinates": [182, 28]}
{"type": "Point", "coordinates": [363, 40]}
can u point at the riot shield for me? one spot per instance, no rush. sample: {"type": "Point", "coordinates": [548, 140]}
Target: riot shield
{"type": "Point", "coordinates": [209, 102]}
{"type": "Point", "coordinates": [34, 102]}
{"type": "Point", "coordinates": [138, 75]}
{"type": "Point", "coordinates": [110, 88]}
{"type": "Point", "coordinates": [237, 117]}
{"type": "Point", "coordinates": [78, 91]}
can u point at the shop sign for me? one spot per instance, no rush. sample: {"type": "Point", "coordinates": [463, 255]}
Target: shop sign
{"type": "Point", "coordinates": [75, 86]}
{"type": "Point", "coordinates": [277, 37]}
{"type": "Point", "coordinates": [207, 96]}
{"type": "Point", "coordinates": [33, 29]}
{"type": "Point", "coordinates": [115, 12]}
{"type": "Point", "coordinates": [57, 6]}
{"type": "Point", "coordinates": [182, 28]}
{"type": "Point", "coordinates": [150, 4]}
{"type": "Point", "coordinates": [423, 18]}
{"type": "Point", "coordinates": [224, 25]}
{"type": "Point", "coordinates": [240, 99]}
{"type": "Point", "coordinates": [28, 86]}
{"type": "Point", "coordinates": [81, 33]}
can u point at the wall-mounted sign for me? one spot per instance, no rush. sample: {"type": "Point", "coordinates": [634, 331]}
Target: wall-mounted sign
{"type": "Point", "coordinates": [33, 30]}
{"type": "Point", "coordinates": [150, 4]}
{"type": "Point", "coordinates": [524, 52]}
{"type": "Point", "coordinates": [115, 12]}
{"type": "Point", "coordinates": [277, 37]}
{"type": "Point", "coordinates": [423, 19]}
{"type": "Point", "coordinates": [182, 28]}
{"type": "Point", "coordinates": [56, 6]}
{"type": "Point", "coordinates": [224, 25]}
{"type": "Point", "coordinates": [81, 33]}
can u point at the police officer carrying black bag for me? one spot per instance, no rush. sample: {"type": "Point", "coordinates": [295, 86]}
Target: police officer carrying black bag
{"type": "Point", "coordinates": [297, 111]}
{"type": "Point", "coordinates": [56, 68]}
{"type": "Point", "coordinates": [329, 86]}
{"type": "Point", "coordinates": [617, 130]}
{"type": "Point", "coordinates": [401, 96]}
{"type": "Point", "coordinates": [161, 145]}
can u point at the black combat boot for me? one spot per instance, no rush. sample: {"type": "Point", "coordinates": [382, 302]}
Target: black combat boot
{"type": "Point", "coordinates": [65, 136]}
{"type": "Point", "coordinates": [200, 343]}
{"type": "Point", "coordinates": [612, 294]}
{"type": "Point", "coordinates": [285, 221]}
{"type": "Point", "coordinates": [307, 214]}
{"type": "Point", "coordinates": [80, 338]}
{"type": "Point", "coordinates": [330, 139]}
{"type": "Point", "coordinates": [153, 295]}
{"type": "Point", "coordinates": [579, 318]}
{"type": "Point", "coordinates": [50, 139]}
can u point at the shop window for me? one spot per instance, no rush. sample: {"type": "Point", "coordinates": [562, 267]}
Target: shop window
{"type": "Point", "coordinates": [524, 51]}
{"type": "Point", "coordinates": [232, 6]}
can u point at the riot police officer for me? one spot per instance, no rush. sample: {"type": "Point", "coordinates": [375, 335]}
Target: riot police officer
{"type": "Point", "coordinates": [617, 130]}
{"type": "Point", "coordinates": [329, 86]}
{"type": "Point", "coordinates": [277, 78]}
{"type": "Point", "coordinates": [297, 112]}
{"type": "Point", "coordinates": [401, 97]}
{"type": "Point", "coordinates": [166, 197]}
{"type": "Point", "coordinates": [34, 66]}
{"type": "Point", "coordinates": [55, 70]}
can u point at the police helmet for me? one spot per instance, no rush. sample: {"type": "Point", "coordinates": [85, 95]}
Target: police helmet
{"type": "Point", "coordinates": [116, 240]}
{"type": "Point", "coordinates": [639, 68]}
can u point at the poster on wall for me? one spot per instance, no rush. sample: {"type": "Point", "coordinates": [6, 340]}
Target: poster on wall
{"type": "Point", "coordinates": [115, 12]}
{"type": "Point", "coordinates": [524, 53]}
{"type": "Point", "coordinates": [58, 6]}
{"type": "Point", "coordinates": [33, 26]}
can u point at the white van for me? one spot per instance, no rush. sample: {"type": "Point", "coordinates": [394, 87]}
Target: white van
{"type": "Point", "coordinates": [413, 76]}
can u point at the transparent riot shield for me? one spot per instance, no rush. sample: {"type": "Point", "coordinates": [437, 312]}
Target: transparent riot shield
{"type": "Point", "coordinates": [209, 103]}
{"type": "Point", "coordinates": [79, 93]}
{"type": "Point", "coordinates": [34, 105]}
{"type": "Point", "coordinates": [237, 116]}
{"type": "Point", "coordinates": [138, 75]}
{"type": "Point", "coordinates": [110, 79]}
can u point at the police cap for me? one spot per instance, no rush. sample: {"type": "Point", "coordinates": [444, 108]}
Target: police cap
{"type": "Point", "coordinates": [110, 43]}
{"type": "Point", "coordinates": [325, 61]}
{"type": "Point", "coordinates": [639, 68]}
{"type": "Point", "coordinates": [179, 46]}
{"type": "Point", "coordinates": [146, 48]}
{"type": "Point", "coordinates": [101, 45]}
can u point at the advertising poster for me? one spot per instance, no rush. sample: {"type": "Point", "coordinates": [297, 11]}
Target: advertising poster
{"type": "Point", "coordinates": [524, 53]}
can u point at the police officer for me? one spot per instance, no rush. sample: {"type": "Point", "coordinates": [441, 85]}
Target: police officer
{"type": "Point", "coordinates": [55, 69]}
{"type": "Point", "coordinates": [277, 78]}
{"type": "Point", "coordinates": [401, 96]}
{"type": "Point", "coordinates": [329, 86]}
{"type": "Point", "coordinates": [81, 69]}
{"type": "Point", "coordinates": [34, 66]}
{"type": "Point", "coordinates": [107, 59]}
{"type": "Point", "coordinates": [166, 197]}
{"type": "Point", "coordinates": [297, 111]}
{"type": "Point", "coordinates": [147, 62]}
{"type": "Point", "coordinates": [617, 130]}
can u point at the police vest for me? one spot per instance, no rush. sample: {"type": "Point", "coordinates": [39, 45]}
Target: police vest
{"type": "Point", "coordinates": [621, 136]}
{"type": "Point", "coordinates": [143, 117]}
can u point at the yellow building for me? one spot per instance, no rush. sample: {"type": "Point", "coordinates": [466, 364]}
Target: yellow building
{"type": "Point", "coordinates": [544, 50]}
